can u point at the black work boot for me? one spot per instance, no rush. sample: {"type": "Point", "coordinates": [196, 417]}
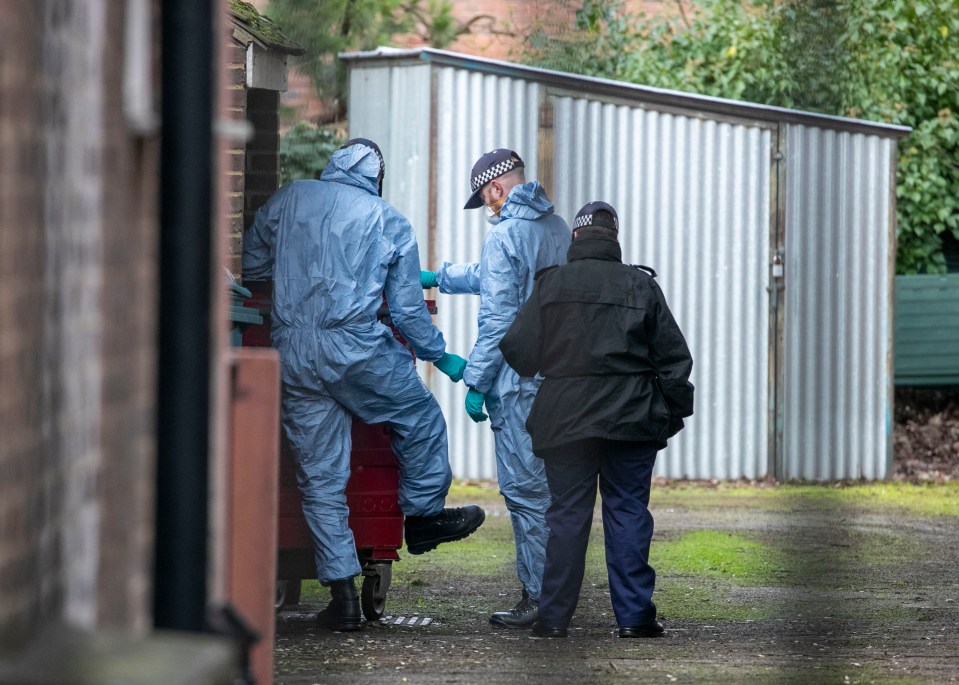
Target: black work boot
{"type": "Point", "coordinates": [424, 533]}
{"type": "Point", "coordinates": [343, 612]}
{"type": "Point", "coordinates": [651, 629]}
{"type": "Point", "coordinates": [523, 615]}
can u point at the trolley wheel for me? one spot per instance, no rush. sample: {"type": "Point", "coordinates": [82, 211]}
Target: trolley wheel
{"type": "Point", "coordinates": [287, 593]}
{"type": "Point", "coordinates": [375, 585]}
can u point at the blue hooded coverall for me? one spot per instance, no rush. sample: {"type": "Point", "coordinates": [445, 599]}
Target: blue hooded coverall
{"type": "Point", "coordinates": [528, 238]}
{"type": "Point", "coordinates": [333, 247]}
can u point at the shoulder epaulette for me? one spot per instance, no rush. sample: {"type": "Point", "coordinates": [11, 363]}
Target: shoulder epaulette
{"type": "Point", "coordinates": [642, 267]}
{"type": "Point", "coordinates": [544, 270]}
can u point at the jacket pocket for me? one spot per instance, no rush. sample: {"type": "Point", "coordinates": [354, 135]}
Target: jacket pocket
{"type": "Point", "coordinates": [662, 410]}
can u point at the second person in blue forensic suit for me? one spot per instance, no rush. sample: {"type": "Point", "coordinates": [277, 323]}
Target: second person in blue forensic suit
{"type": "Point", "coordinates": [333, 248]}
{"type": "Point", "coordinates": [526, 236]}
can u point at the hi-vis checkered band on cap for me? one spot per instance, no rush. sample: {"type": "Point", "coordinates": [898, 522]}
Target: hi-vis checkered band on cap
{"type": "Point", "coordinates": [583, 220]}
{"type": "Point", "coordinates": [491, 165]}
{"type": "Point", "coordinates": [494, 171]}
{"type": "Point", "coordinates": [587, 216]}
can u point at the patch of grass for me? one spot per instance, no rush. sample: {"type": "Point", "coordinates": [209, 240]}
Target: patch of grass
{"type": "Point", "coordinates": [679, 600]}
{"type": "Point", "coordinates": [929, 500]}
{"type": "Point", "coordinates": [697, 571]}
{"type": "Point", "coordinates": [312, 591]}
{"type": "Point", "coordinates": [487, 552]}
{"type": "Point", "coordinates": [686, 495]}
{"type": "Point", "coordinates": [474, 492]}
{"type": "Point", "coordinates": [884, 549]}
{"type": "Point", "coordinates": [934, 499]}
{"type": "Point", "coordinates": [717, 554]}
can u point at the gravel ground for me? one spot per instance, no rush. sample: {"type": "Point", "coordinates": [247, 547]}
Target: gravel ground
{"type": "Point", "coordinates": [868, 594]}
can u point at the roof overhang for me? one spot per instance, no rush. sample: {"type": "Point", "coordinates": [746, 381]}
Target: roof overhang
{"type": "Point", "coordinates": [641, 95]}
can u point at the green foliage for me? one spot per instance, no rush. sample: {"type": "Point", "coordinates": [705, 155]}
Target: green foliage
{"type": "Point", "coordinates": [324, 29]}
{"type": "Point", "coordinates": [305, 151]}
{"type": "Point", "coordinates": [927, 193]}
{"type": "Point", "coordinates": [888, 60]}
{"type": "Point", "coordinates": [908, 58]}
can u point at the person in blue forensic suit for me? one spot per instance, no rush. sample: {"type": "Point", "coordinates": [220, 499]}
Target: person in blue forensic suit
{"type": "Point", "coordinates": [616, 388]}
{"type": "Point", "coordinates": [333, 248]}
{"type": "Point", "coordinates": [526, 236]}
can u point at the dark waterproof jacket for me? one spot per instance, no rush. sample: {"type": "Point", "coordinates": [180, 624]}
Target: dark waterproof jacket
{"type": "Point", "coordinates": [615, 363]}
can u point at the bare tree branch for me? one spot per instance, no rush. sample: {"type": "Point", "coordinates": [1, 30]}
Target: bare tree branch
{"type": "Point", "coordinates": [682, 13]}
{"type": "Point", "coordinates": [467, 27]}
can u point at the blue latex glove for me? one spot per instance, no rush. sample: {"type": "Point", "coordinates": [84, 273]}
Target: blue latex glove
{"type": "Point", "coordinates": [474, 405]}
{"type": "Point", "coordinates": [452, 365]}
{"type": "Point", "coordinates": [428, 279]}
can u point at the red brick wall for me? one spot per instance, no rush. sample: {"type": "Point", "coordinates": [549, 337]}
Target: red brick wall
{"type": "Point", "coordinates": [250, 167]}
{"type": "Point", "coordinates": [233, 107]}
{"type": "Point", "coordinates": [27, 595]}
{"type": "Point", "coordinates": [262, 152]}
{"type": "Point", "coordinates": [129, 311]}
{"type": "Point", "coordinates": [77, 341]}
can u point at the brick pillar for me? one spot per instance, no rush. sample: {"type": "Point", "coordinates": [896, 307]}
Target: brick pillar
{"type": "Point", "coordinates": [262, 152]}
{"type": "Point", "coordinates": [233, 106]}
{"type": "Point", "coordinates": [77, 305]}
{"type": "Point", "coordinates": [128, 302]}
{"type": "Point", "coordinates": [28, 595]}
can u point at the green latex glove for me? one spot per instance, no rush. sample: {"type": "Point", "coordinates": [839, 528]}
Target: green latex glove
{"type": "Point", "coordinates": [474, 405]}
{"type": "Point", "coordinates": [452, 365]}
{"type": "Point", "coordinates": [428, 279]}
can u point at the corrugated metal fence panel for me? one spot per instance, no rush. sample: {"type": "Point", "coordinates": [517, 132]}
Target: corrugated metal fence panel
{"type": "Point", "coordinates": [927, 330]}
{"type": "Point", "coordinates": [474, 113]}
{"type": "Point", "coordinates": [837, 409]}
{"type": "Point", "coordinates": [693, 197]}
{"type": "Point", "coordinates": [693, 192]}
{"type": "Point", "coordinates": [384, 102]}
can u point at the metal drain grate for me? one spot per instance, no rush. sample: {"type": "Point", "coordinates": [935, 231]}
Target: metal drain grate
{"type": "Point", "coordinates": [409, 621]}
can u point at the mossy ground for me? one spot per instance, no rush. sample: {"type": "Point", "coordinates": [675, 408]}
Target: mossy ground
{"type": "Point", "coordinates": [756, 583]}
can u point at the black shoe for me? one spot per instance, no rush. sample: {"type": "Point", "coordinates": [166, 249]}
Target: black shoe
{"type": "Point", "coordinates": [424, 533]}
{"type": "Point", "coordinates": [543, 630]}
{"type": "Point", "coordinates": [523, 615]}
{"type": "Point", "coordinates": [652, 629]}
{"type": "Point", "coordinates": [343, 612]}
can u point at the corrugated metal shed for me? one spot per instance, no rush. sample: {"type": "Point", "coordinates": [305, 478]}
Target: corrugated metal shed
{"type": "Point", "coordinates": [793, 372]}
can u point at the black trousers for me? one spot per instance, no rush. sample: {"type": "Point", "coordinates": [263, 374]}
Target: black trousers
{"type": "Point", "coordinates": [624, 471]}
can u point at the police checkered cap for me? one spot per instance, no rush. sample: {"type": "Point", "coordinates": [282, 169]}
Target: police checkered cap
{"type": "Point", "coordinates": [366, 142]}
{"type": "Point", "coordinates": [491, 165]}
{"type": "Point", "coordinates": [587, 216]}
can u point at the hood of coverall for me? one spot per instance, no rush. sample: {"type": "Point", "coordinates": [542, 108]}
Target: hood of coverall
{"type": "Point", "coordinates": [527, 201]}
{"type": "Point", "coordinates": [356, 165]}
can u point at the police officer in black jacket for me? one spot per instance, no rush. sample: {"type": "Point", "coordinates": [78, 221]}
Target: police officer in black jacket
{"type": "Point", "coordinates": [616, 387]}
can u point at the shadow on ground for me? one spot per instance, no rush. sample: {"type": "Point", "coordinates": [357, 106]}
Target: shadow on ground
{"type": "Point", "coordinates": [809, 584]}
